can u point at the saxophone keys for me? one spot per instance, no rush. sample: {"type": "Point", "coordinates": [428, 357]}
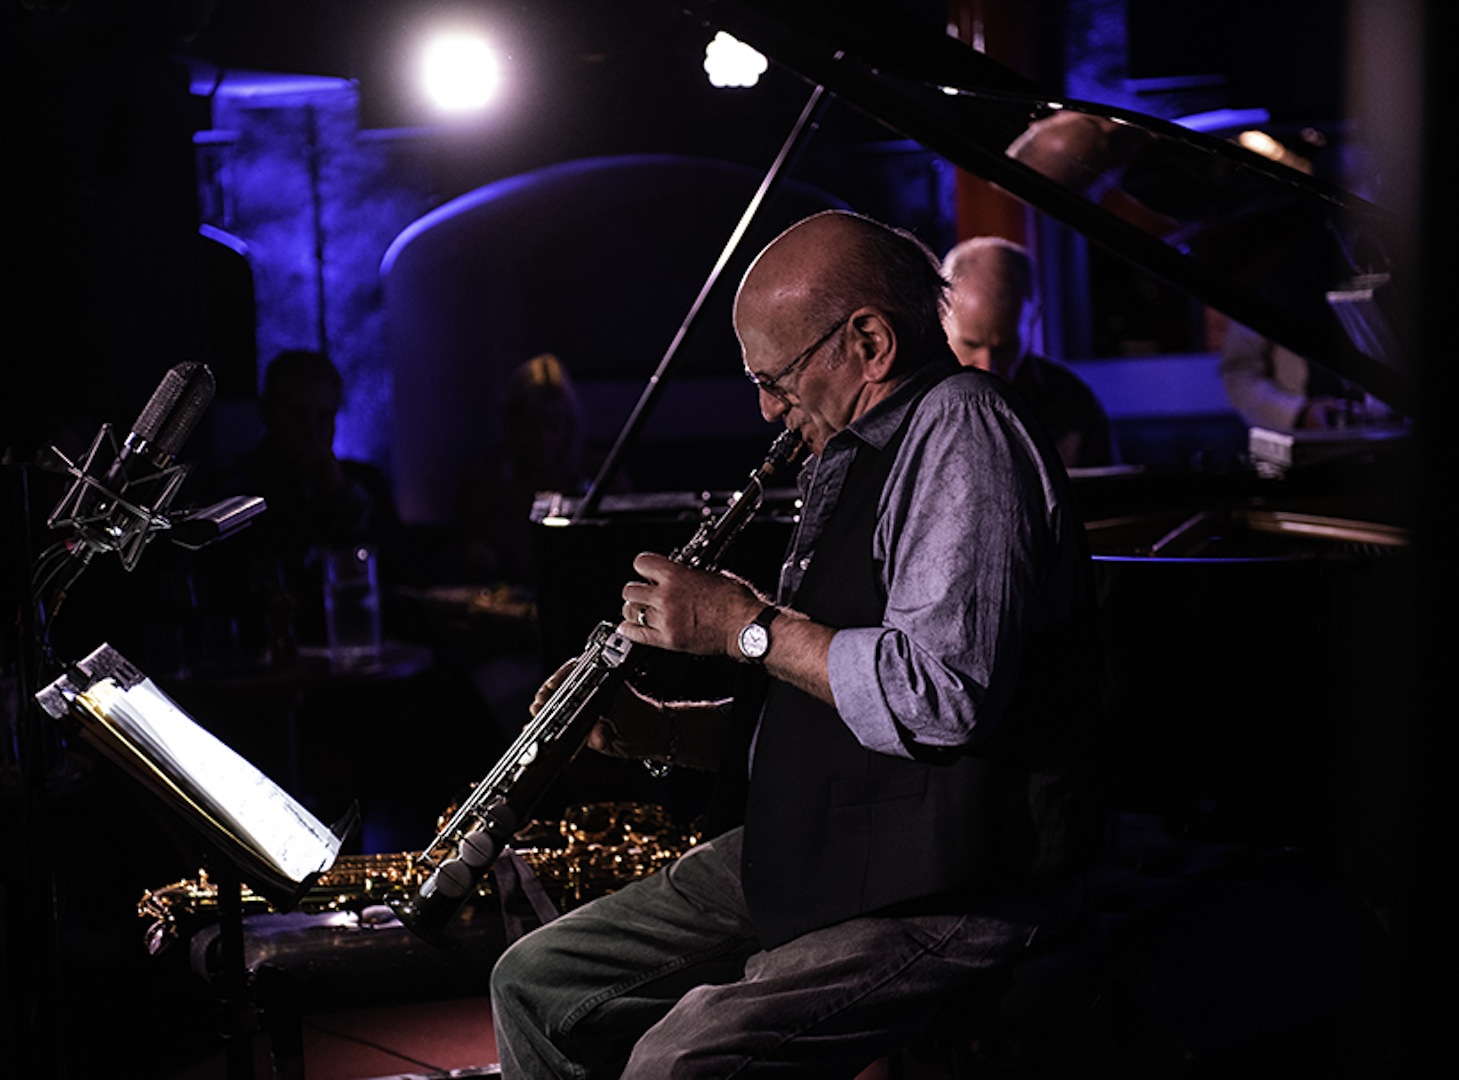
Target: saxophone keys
{"type": "Point", "coordinates": [451, 880]}
{"type": "Point", "coordinates": [478, 849]}
{"type": "Point", "coordinates": [501, 819]}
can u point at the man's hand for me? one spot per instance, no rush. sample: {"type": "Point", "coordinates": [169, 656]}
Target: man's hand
{"type": "Point", "coordinates": [638, 728]}
{"type": "Point", "coordinates": [548, 688]}
{"type": "Point", "coordinates": [685, 610]}
{"type": "Point", "coordinates": [687, 733]}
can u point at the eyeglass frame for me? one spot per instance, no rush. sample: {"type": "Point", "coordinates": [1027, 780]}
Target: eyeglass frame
{"type": "Point", "coordinates": [771, 383]}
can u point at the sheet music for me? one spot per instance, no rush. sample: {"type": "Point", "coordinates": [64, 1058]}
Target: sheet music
{"type": "Point", "coordinates": [213, 778]}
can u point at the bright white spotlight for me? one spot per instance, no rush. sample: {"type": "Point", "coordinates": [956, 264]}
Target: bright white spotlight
{"type": "Point", "coordinates": [730, 62]}
{"type": "Point", "coordinates": [459, 71]}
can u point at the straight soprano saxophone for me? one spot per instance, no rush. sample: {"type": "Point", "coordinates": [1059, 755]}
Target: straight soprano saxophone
{"type": "Point", "coordinates": [454, 863]}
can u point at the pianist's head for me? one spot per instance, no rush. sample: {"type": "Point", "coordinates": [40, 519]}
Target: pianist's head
{"type": "Point", "coordinates": [992, 306]}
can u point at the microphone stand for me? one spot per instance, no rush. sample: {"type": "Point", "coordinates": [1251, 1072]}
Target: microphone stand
{"type": "Point", "coordinates": [31, 970]}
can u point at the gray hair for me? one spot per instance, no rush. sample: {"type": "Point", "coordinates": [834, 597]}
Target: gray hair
{"type": "Point", "coordinates": [982, 252]}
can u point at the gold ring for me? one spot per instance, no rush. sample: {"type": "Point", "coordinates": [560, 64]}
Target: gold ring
{"type": "Point", "coordinates": [643, 616]}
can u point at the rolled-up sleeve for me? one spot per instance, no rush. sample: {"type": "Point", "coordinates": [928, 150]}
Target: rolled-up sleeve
{"type": "Point", "coordinates": [964, 531]}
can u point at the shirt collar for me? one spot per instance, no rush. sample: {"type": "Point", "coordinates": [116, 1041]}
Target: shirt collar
{"type": "Point", "coordinates": [880, 422]}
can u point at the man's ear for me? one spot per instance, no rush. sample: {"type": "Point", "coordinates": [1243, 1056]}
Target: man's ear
{"type": "Point", "coordinates": [874, 344]}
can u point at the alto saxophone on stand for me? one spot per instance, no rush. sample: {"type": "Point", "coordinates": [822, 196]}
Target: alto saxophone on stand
{"type": "Point", "coordinates": [454, 863]}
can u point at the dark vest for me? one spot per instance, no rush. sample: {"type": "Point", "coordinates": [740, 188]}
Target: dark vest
{"type": "Point", "coordinates": [833, 830]}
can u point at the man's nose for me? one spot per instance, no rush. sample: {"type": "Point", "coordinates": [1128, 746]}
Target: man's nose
{"type": "Point", "coordinates": [771, 407]}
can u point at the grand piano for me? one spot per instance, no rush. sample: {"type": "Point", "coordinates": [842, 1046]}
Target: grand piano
{"type": "Point", "coordinates": [1257, 619]}
{"type": "Point", "coordinates": [1255, 616]}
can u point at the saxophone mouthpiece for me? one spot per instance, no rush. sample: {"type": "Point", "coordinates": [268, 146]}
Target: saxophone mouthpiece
{"type": "Point", "coordinates": [787, 451]}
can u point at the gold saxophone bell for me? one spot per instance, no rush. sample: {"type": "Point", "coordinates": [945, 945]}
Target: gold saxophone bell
{"type": "Point", "coordinates": [595, 849]}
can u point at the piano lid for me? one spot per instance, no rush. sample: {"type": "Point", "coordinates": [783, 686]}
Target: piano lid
{"type": "Point", "coordinates": [1299, 261]}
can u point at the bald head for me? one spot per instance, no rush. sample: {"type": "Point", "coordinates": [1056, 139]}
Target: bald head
{"type": "Point", "coordinates": [993, 304]}
{"type": "Point", "coordinates": [832, 315]}
{"type": "Point", "coordinates": [827, 265]}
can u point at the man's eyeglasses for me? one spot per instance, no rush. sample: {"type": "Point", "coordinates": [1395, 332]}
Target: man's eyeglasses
{"type": "Point", "coordinates": [771, 383]}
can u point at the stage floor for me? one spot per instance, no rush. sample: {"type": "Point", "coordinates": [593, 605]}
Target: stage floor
{"type": "Point", "coordinates": [435, 1038]}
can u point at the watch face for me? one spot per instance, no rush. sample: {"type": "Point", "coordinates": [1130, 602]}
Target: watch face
{"type": "Point", "coordinates": [754, 641]}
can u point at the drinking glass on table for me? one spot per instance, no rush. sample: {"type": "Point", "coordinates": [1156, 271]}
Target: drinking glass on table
{"type": "Point", "coordinates": [352, 606]}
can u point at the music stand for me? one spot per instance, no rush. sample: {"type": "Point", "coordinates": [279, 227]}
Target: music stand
{"type": "Point", "coordinates": [265, 838]}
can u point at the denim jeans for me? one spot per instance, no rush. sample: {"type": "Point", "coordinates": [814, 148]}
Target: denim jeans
{"type": "Point", "coordinates": [665, 979]}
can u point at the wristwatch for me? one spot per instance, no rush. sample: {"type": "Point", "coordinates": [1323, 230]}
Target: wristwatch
{"type": "Point", "coordinates": [755, 637]}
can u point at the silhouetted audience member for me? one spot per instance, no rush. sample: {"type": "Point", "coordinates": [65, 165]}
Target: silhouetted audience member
{"type": "Point", "coordinates": [541, 451]}
{"type": "Point", "coordinates": [316, 499]}
{"type": "Point", "coordinates": [993, 307]}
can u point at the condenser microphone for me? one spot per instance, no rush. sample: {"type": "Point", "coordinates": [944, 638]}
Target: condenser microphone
{"type": "Point", "coordinates": [165, 423]}
{"type": "Point", "coordinates": [119, 509]}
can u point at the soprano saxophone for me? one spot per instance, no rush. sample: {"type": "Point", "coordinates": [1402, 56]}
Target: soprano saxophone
{"type": "Point", "coordinates": [454, 863]}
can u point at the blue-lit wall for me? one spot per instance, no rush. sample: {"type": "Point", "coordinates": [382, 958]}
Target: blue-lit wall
{"type": "Point", "coordinates": [313, 205]}
{"type": "Point", "coordinates": [601, 270]}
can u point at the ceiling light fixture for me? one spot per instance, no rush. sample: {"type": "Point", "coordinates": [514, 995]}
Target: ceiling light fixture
{"type": "Point", "coordinates": [459, 72]}
{"type": "Point", "coordinates": [730, 62]}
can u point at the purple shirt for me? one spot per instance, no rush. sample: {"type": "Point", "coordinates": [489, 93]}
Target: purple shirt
{"type": "Point", "coordinates": [974, 538]}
